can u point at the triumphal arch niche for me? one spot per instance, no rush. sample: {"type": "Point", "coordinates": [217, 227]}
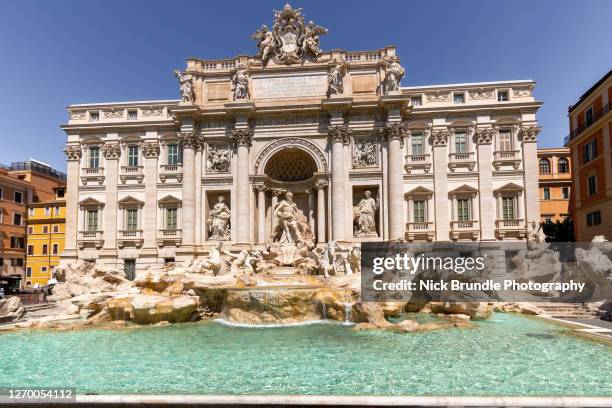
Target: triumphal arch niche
{"type": "Point", "coordinates": [303, 144]}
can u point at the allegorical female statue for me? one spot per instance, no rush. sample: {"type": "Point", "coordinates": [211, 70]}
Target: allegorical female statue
{"type": "Point", "coordinates": [219, 220]}
{"type": "Point", "coordinates": [186, 87]}
{"type": "Point", "coordinates": [365, 216]}
{"type": "Point", "coordinates": [240, 84]}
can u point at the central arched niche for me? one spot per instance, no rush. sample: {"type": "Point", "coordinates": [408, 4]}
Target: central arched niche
{"type": "Point", "coordinates": [291, 164]}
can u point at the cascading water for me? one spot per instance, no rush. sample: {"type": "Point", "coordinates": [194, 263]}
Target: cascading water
{"type": "Point", "coordinates": [324, 310]}
{"type": "Point", "coordinates": [348, 310]}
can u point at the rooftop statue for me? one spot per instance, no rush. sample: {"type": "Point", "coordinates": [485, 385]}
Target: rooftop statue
{"type": "Point", "coordinates": [291, 40]}
{"type": "Point", "coordinates": [186, 86]}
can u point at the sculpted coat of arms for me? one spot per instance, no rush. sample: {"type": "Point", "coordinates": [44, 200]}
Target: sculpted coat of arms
{"type": "Point", "coordinates": [291, 40]}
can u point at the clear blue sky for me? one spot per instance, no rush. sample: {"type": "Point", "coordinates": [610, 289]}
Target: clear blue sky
{"type": "Point", "coordinates": [54, 53]}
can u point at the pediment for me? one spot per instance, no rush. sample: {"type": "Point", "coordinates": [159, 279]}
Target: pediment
{"type": "Point", "coordinates": [130, 201]}
{"type": "Point", "coordinates": [464, 190]}
{"type": "Point", "coordinates": [509, 188]}
{"type": "Point", "coordinates": [419, 191]}
{"type": "Point", "coordinates": [90, 202]}
{"type": "Point", "coordinates": [169, 200]}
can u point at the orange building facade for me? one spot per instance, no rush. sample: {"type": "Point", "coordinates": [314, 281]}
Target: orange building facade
{"type": "Point", "coordinates": [14, 195]}
{"type": "Point", "coordinates": [590, 141]}
{"type": "Point", "coordinates": [555, 180]}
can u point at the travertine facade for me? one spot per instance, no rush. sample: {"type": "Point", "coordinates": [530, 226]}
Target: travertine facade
{"type": "Point", "coordinates": [365, 159]}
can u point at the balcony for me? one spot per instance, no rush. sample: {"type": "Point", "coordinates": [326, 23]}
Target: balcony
{"type": "Point", "coordinates": [420, 231]}
{"type": "Point", "coordinates": [507, 157]}
{"type": "Point", "coordinates": [130, 238]}
{"type": "Point", "coordinates": [91, 239]}
{"type": "Point", "coordinates": [461, 160]}
{"type": "Point", "coordinates": [131, 173]}
{"type": "Point", "coordinates": [169, 236]}
{"type": "Point", "coordinates": [171, 171]}
{"type": "Point", "coordinates": [417, 161]}
{"type": "Point", "coordinates": [464, 230]}
{"type": "Point", "coordinates": [584, 126]}
{"type": "Point", "coordinates": [92, 174]}
{"type": "Point", "coordinates": [510, 228]}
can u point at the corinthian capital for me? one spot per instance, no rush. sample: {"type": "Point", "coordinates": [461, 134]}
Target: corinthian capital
{"type": "Point", "coordinates": [111, 151]}
{"type": "Point", "coordinates": [530, 134]}
{"type": "Point", "coordinates": [440, 137]}
{"type": "Point", "coordinates": [340, 134]}
{"type": "Point", "coordinates": [483, 136]}
{"type": "Point", "coordinates": [73, 152]}
{"type": "Point", "coordinates": [241, 137]}
{"type": "Point", "coordinates": [393, 131]}
{"type": "Point", "coordinates": [150, 150]}
{"type": "Point", "coordinates": [189, 140]}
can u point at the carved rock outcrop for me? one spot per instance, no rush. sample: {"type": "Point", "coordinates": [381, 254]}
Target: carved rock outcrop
{"type": "Point", "coordinates": [11, 309]}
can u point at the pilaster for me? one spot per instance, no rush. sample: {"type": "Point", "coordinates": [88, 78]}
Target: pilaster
{"type": "Point", "coordinates": [73, 153]}
{"type": "Point", "coordinates": [529, 137]}
{"type": "Point", "coordinates": [150, 151]}
{"type": "Point", "coordinates": [439, 141]}
{"type": "Point", "coordinates": [487, 214]}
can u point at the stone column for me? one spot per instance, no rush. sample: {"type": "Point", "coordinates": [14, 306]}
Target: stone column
{"type": "Point", "coordinates": [189, 142]}
{"type": "Point", "coordinates": [340, 135]}
{"type": "Point", "coordinates": [111, 152]}
{"type": "Point", "coordinates": [261, 213]}
{"type": "Point", "coordinates": [73, 154]}
{"type": "Point", "coordinates": [394, 135]}
{"type": "Point", "coordinates": [150, 151]}
{"type": "Point", "coordinates": [241, 140]}
{"type": "Point", "coordinates": [321, 186]}
{"type": "Point", "coordinates": [529, 137]}
{"type": "Point", "coordinates": [487, 214]}
{"type": "Point", "coordinates": [440, 163]}
{"type": "Point", "coordinates": [198, 193]}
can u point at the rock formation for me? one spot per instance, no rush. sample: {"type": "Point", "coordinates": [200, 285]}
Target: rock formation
{"type": "Point", "coordinates": [11, 309]}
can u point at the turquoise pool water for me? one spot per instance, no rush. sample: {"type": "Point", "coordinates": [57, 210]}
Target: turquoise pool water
{"type": "Point", "coordinates": [507, 355]}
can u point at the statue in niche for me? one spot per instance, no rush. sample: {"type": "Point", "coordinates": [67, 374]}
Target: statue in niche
{"type": "Point", "coordinates": [240, 84]}
{"type": "Point", "coordinates": [364, 214]}
{"type": "Point", "coordinates": [337, 71]}
{"type": "Point", "coordinates": [287, 214]}
{"type": "Point", "coordinates": [186, 86]}
{"type": "Point", "coordinates": [218, 159]}
{"type": "Point", "coordinates": [364, 154]}
{"type": "Point", "coordinates": [219, 220]}
{"type": "Point", "coordinates": [393, 76]}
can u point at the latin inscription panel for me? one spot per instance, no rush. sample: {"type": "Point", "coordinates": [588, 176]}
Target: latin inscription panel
{"type": "Point", "coordinates": [289, 86]}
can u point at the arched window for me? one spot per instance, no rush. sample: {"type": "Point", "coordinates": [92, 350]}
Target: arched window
{"type": "Point", "coordinates": [544, 166]}
{"type": "Point", "coordinates": [563, 165]}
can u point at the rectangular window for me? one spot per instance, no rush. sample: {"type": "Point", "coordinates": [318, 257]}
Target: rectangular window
{"type": "Point", "coordinates": [30, 249]}
{"type": "Point", "coordinates": [460, 142]}
{"type": "Point", "coordinates": [30, 230]}
{"type": "Point", "coordinates": [28, 272]}
{"type": "Point", "coordinates": [508, 208]}
{"type": "Point", "coordinates": [57, 211]}
{"type": "Point", "coordinates": [92, 220]}
{"type": "Point", "coordinates": [60, 193]}
{"type": "Point", "coordinates": [419, 211]}
{"type": "Point", "coordinates": [463, 209]}
{"type": "Point", "coordinates": [505, 140]}
{"type": "Point", "coordinates": [55, 249]}
{"type": "Point", "coordinates": [132, 156]}
{"type": "Point", "coordinates": [546, 191]}
{"type": "Point", "coordinates": [94, 116]}
{"type": "Point", "coordinates": [565, 192]}
{"type": "Point", "coordinates": [94, 157]}
{"type": "Point", "coordinates": [171, 218]}
{"type": "Point", "coordinates": [132, 114]}
{"type": "Point", "coordinates": [45, 249]}
{"type": "Point", "coordinates": [417, 142]}
{"type": "Point", "coordinates": [18, 197]}
{"type": "Point", "coordinates": [47, 211]}
{"type": "Point", "coordinates": [415, 100]}
{"type": "Point", "coordinates": [45, 229]}
{"type": "Point", "coordinates": [592, 184]}
{"type": "Point", "coordinates": [459, 97]}
{"type": "Point", "coordinates": [56, 229]}
{"type": "Point", "coordinates": [1, 195]}
{"type": "Point", "coordinates": [593, 218]}
{"type": "Point", "coordinates": [131, 219]}
{"type": "Point", "coordinates": [17, 219]}
{"type": "Point", "coordinates": [43, 269]}
{"type": "Point", "coordinates": [588, 116]}
{"type": "Point", "coordinates": [173, 154]}
{"type": "Point", "coordinates": [17, 262]}
{"type": "Point", "coordinates": [590, 151]}
{"type": "Point", "coordinates": [502, 96]}
{"type": "Point", "coordinates": [30, 212]}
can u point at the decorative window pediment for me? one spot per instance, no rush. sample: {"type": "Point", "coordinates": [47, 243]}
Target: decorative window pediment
{"type": "Point", "coordinates": [463, 191]}
{"type": "Point", "coordinates": [508, 189]}
{"type": "Point", "coordinates": [130, 202]}
{"type": "Point", "coordinates": [419, 192]}
{"type": "Point", "coordinates": [169, 201]}
{"type": "Point", "coordinates": [90, 203]}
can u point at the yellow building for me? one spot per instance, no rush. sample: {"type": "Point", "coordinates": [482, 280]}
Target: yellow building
{"type": "Point", "coordinates": [46, 226]}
